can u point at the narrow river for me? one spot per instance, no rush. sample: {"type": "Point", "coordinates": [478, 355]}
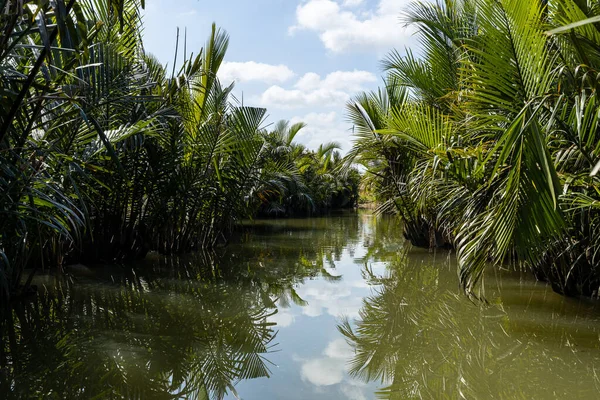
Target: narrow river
{"type": "Point", "coordinates": [323, 308]}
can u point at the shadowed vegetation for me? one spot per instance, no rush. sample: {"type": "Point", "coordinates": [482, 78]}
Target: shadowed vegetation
{"type": "Point", "coordinates": [319, 182]}
{"type": "Point", "coordinates": [106, 154]}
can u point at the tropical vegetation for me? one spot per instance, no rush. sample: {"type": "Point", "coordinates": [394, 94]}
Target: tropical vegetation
{"type": "Point", "coordinates": [319, 182]}
{"type": "Point", "coordinates": [485, 139]}
{"type": "Point", "coordinates": [106, 154]}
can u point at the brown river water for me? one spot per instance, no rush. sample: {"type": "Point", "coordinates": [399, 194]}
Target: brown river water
{"type": "Point", "coordinates": [339, 307]}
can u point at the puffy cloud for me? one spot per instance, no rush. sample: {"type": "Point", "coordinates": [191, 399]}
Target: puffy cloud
{"type": "Point", "coordinates": [322, 120]}
{"type": "Point", "coordinates": [352, 3]}
{"type": "Point", "coordinates": [313, 91]}
{"type": "Point", "coordinates": [283, 318]}
{"type": "Point", "coordinates": [278, 97]}
{"type": "Point", "coordinates": [339, 349]}
{"type": "Point", "coordinates": [324, 127]}
{"type": "Point", "coordinates": [342, 30]}
{"type": "Point", "coordinates": [349, 81]}
{"type": "Point", "coordinates": [323, 371]}
{"type": "Point", "coordinates": [331, 369]}
{"type": "Point", "coordinates": [253, 71]}
{"type": "Point", "coordinates": [336, 299]}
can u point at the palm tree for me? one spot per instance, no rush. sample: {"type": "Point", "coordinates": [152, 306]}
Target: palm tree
{"type": "Point", "coordinates": [106, 155]}
{"type": "Point", "coordinates": [49, 54]}
{"type": "Point", "coordinates": [494, 135]}
{"type": "Point", "coordinates": [307, 181]}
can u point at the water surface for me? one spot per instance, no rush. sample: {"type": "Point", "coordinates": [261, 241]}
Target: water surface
{"type": "Point", "coordinates": [323, 308]}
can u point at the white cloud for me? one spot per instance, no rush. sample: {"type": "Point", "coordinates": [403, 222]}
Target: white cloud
{"type": "Point", "coordinates": [278, 97]}
{"type": "Point", "coordinates": [343, 30]}
{"type": "Point", "coordinates": [349, 81]}
{"type": "Point", "coordinates": [283, 318]}
{"type": "Point", "coordinates": [253, 71]}
{"type": "Point", "coordinates": [316, 119]}
{"type": "Point", "coordinates": [339, 349]}
{"type": "Point", "coordinates": [323, 371]}
{"type": "Point", "coordinates": [352, 3]}
{"type": "Point", "coordinates": [331, 369]}
{"type": "Point", "coordinates": [336, 299]}
{"type": "Point", "coordinates": [324, 127]}
{"type": "Point", "coordinates": [313, 91]}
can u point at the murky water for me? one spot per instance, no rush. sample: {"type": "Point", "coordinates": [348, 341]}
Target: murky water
{"type": "Point", "coordinates": [323, 308]}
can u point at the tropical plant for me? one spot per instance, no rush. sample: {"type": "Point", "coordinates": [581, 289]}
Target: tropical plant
{"type": "Point", "coordinates": [105, 155]}
{"type": "Point", "coordinates": [497, 134]}
{"type": "Point", "coordinates": [52, 54]}
{"type": "Point", "coordinates": [314, 180]}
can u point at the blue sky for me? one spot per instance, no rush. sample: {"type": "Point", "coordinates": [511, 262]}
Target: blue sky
{"type": "Point", "coordinates": [301, 59]}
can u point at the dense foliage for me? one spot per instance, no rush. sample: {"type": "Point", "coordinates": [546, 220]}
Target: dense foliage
{"type": "Point", "coordinates": [320, 183]}
{"type": "Point", "coordinates": [488, 138]}
{"type": "Point", "coordinates": [105, 154]}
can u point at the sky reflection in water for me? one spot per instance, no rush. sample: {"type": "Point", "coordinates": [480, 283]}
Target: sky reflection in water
{"type": "Point", "coordinates": [330, 308]}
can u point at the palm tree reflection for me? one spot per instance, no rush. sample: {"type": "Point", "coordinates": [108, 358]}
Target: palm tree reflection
{"type": "Point", "coordinates": [421, 339]}
{"type": "Point", "coordinates": [173, 327]}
